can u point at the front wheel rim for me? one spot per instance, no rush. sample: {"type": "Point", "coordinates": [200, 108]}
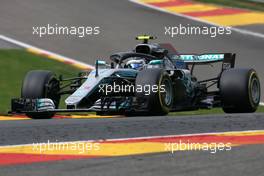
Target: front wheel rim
{"type": "Point", "coordinates": [255, 90]}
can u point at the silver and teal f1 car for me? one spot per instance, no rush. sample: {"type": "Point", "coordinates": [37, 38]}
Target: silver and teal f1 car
{"type": "Point", "coordinates": [152, 79]}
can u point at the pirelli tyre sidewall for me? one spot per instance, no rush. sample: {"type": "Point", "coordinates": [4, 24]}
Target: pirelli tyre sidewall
{"type": "Point", "coordinates": [161, 101]}
{"type": "Point", "coordinates": [240, 90]}
{"type": "Point", "coordinates": [166, 96]}
{"type": "Point", "coordinates": [41, 84]}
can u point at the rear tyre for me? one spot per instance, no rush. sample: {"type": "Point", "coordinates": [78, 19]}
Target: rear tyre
{"type": "Point", "coordinates": [41, 84]}
{"type": "Point", "coordinates": [240, 90]}
{"type": "Point", "coordinates": [159, 99]}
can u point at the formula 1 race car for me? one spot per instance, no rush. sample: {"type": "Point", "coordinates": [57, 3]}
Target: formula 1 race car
{"type": "Point", "coordinates": [152, 79]}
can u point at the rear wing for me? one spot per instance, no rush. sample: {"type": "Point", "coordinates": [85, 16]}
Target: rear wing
{"type": "Point", "coordinates": [227, 59]}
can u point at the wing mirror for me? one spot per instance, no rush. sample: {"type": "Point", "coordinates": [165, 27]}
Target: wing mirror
{"type": "Point", "coordinates": [101, 64]}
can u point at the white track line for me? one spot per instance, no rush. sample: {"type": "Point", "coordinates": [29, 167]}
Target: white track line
{"type": "Point", "coordinates": [140, 138]}
{"type": "Point", "coordinates": [25, 45]}
{"type": "Point", "coordinates": [242, 31]}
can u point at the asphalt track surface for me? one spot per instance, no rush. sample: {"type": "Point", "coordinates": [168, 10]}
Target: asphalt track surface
{"type": "Point", "coordinates": [120, 21]}
{"type": "Point", "coordinates": [245, 160]}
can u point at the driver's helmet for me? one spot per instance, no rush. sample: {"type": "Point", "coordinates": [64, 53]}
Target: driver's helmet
{"type": "Point", "coordinates": [136, 63]}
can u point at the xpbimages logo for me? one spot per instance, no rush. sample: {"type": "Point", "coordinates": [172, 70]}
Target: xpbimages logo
{"type": "Point", "coordinates": [80, 147]}
{"type": "Point", "coordinates": [79, 31]}
{"type": "Point", "coordinates": [130, 88]}
{"type": "Point", "coordinates": [212, 147]}
{"type": "Point", "coordinates": [212, 31]}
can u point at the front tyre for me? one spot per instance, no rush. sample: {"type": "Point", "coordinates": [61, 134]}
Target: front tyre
{"type": "Point", "coordinates": [240, 90]}
{"type": "Point", "coordinates": [159, 99]}
{"type": "Point", "coordinates": [41, 84]}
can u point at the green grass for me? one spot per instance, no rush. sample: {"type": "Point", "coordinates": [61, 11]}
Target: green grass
{"type": "Point", "coordinates": [14, 64]}
{"type": "Point", "coordinates": [236, 3]}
